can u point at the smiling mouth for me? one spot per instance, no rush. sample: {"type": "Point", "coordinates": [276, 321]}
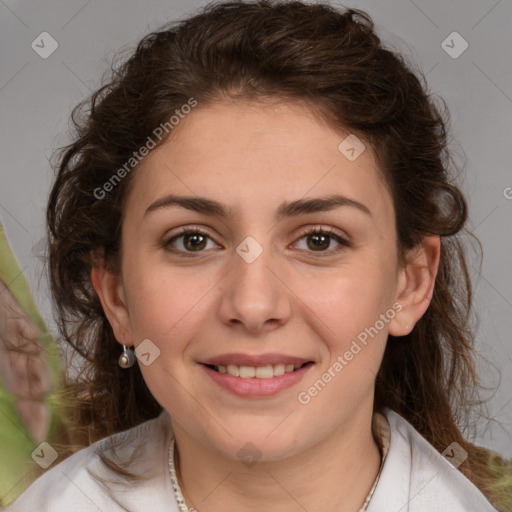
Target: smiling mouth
{"type": "Point", "coordinates": [258, 372]}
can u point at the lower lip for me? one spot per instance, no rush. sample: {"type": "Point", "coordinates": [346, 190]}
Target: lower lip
{"type": "Point", "coordinates": [254, 387]}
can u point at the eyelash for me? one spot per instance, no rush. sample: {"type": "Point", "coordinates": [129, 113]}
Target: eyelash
{"type": "Point", "coordinates": [311, 231]}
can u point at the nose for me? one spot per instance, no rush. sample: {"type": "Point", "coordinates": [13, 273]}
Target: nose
{"type": "Point", "coordinates": [254, 296]}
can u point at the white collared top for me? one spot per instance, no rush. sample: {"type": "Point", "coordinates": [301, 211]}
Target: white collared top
{"type": "Point", "coordinates": [414, 477]}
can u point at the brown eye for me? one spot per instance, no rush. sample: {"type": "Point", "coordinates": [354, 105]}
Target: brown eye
{"type": "Point", "coordinates": [194, 241]}
{"type": "Point", "coordinates": [321, 240]}
{"type": "Point", "coordinates": [318, 241]}
{"type": "Point", "coordinates": [189, 240]}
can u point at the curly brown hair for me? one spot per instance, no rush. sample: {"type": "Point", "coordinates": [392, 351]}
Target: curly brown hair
{"type": "Point", "coordinates": [336, 63]}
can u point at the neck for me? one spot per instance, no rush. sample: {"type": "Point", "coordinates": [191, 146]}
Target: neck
{"type": "Point", "coordinates": [337, 473]}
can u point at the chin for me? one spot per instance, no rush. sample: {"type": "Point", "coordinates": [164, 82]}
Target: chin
{"type": "Point", "coordinates": [253, 445]}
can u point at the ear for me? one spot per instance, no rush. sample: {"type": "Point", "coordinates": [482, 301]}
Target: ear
{"type": "Point", "coordinates": [416, 284]}
{"type": "Point", "coordinates": [110, 289]}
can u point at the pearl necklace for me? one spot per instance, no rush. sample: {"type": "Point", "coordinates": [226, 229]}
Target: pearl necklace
{"type": "Point", "coordinates": [182, 506]}
{"type": "Point", "coordinates": [175, 485]}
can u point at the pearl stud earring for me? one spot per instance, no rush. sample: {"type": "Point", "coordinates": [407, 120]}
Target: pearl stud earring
{"type": "Point", "coordinates": [127, 357]}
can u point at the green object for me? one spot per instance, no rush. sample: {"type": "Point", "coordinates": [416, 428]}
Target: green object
{"type": "Point", "coordinates": [16, 444]}
{"type": "Point", "coordinates": [503, 486]}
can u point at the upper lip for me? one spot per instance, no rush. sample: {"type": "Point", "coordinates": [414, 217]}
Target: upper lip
{"type": "Point", "coordinates": [255, 360]}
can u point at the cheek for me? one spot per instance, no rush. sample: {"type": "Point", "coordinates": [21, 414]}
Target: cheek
{"type": "Point", "coordinates": [158, 304]}
{"type": "Point", "coordinates": [347, 300]}
{"type": "Point", "coordinates": [346, 317]}
{"type": "Point", "coordinates": [169, 306]}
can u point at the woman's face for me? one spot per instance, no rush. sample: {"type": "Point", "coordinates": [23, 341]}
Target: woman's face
{"type": "Point", "coordinates": [254, 292]}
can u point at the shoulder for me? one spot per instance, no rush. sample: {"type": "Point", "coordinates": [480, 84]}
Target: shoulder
{"type": "Point", "coordinates": [416, 477]}
{"type": "Point", "coordinates": [78, 482]}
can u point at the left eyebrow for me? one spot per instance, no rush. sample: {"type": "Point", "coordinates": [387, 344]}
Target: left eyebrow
{"type": "Point", "coordinates": [318, 204]}
{"type": "Point", "coordinates": [289, 209]}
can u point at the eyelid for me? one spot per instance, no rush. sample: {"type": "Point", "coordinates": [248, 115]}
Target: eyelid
{"type": "Point", "coordinates": [186, 230]}
{"type": "Point", "coordinates": [343, 240]}
{"type": "Point", "coordinates": [327, 230]}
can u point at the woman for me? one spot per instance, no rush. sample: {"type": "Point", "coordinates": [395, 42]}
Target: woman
{"type": "Point", "coordinates": [258, 212]}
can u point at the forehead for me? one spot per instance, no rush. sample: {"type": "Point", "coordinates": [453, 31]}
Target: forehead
{"type": "Point", "coordinates": [251, 155]}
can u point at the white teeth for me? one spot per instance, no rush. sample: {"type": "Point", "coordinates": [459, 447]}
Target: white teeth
{"type": "Point", "coordinates": [278, 369]}
{"type": "Point", "coordinates": [247, 372]}
{"type": "Point", "coordinates": [264, 372]}
{"type": "Point", "coordinates": [233, 370]}
{"type": "Point", "coordinates": [260, 372]}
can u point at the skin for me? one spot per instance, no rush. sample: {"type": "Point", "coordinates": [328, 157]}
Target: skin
{"type": "Point", "coordinates": [24, 370]}
{"type": "Point", "coordinates": [293, 299]}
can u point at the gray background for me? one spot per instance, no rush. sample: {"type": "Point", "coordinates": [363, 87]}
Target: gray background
{"type": "Point", "coordinates": [37, 95]}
